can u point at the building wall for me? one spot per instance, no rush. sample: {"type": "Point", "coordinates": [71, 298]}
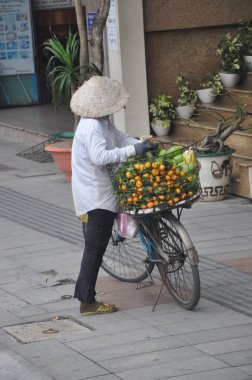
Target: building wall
{"type": "Point", "coordinates": [182, 36]}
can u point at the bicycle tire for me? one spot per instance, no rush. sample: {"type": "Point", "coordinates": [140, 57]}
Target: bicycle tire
{"type": "Point", "coordinates": [182, 274]}
{"type": "Point", "coordinates": [125, 259]}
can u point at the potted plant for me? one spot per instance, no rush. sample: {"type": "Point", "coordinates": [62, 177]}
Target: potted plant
{"type": "Point", "coordinates": [162, 112]}
{"type": "Point", "coordinates": [186, 98]}
{"type": "Point", "coordinates": [245, 29]}
{"type": "Point", "coordinates": [215, 158]}
{"type": "Point", "coordinates": [63, 72]}
{"type": "Point", "coordinates": [229, 50]}
{"type": "Point", "coordinates": [210, 87]}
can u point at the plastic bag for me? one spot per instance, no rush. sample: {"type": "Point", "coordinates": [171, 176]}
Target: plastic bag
{"type": "Point", "coordinates": [127, 226]}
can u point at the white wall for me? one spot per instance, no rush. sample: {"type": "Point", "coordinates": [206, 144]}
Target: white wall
{"type": "Point", "coordinates": [126, 63]}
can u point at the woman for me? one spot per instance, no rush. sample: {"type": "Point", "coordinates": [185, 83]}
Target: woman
{"type": "Point", "coordinates": [97, 143]}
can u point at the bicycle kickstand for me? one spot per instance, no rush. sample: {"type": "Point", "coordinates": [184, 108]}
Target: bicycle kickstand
{"type": "Point", "coordinates": [162, 285]}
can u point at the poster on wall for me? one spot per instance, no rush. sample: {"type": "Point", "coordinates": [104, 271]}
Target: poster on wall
{"type": "Point", "coordinates": [16, 49]}
{"type": "Point", "coordinates": [112, 27]}
{"type": "Point", "coordinates": [53, 4]}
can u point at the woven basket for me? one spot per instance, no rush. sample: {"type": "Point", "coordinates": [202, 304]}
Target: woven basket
{"type": "Point", "coordinates": [156, 183]}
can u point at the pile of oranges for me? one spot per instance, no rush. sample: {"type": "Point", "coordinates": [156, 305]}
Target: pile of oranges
{"type": "Point", "coordinates": [146, 184]}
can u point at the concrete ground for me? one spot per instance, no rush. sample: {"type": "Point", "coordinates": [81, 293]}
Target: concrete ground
{"type": "Point", "coordinates": [42, 334]}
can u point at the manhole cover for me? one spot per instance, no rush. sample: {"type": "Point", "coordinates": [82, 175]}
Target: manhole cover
{"type": "Point", "coordinates": [36, 331]}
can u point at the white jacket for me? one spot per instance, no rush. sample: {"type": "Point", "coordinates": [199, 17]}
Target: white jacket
{"type": "Point", "coordinates": [97, 143]}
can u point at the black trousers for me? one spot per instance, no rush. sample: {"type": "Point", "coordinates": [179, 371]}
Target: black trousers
{"type": "Point", "coordinates": [96, 233]}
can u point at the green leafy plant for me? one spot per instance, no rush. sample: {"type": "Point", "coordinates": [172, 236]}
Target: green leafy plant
{"type": "Point", "coordinates": [245, 31]}
{"type": "Point", "coordinates": [187, 95]}
{"type": "Point", "coordinates": [212, 81]}
{"type": "Point", "coordinates": [162, 109]}
{"type": "Point", "coordinates": [229, 50]}
{"type": "Point", "coordinates": [62, 69]}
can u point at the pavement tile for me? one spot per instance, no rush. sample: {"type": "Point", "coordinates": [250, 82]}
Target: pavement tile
{"type": "Point", "coordinates": [216, 334]}
{"type": "Point", "coordinates": [227, 345]}
{"type": "Point", "coordinates": [216, 374]}
{"type": "Point", "coordinates": [13, 366]}
{"type": "Point", "coordinates": [108, 340]}
{"type": "Point", "coordinates": [247, 369]}
{"type": "Point", "coordinates": [133, 348]}
{"type": "Point", "coordinates": [237, 358]}
{"type": "Point", "coordinates": [61, 362]}
{"type": "Point", "coordinates": [173, 366]}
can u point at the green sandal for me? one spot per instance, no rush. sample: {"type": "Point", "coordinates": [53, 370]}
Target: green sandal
{"type": "Point", "coordinates": [102, 308]}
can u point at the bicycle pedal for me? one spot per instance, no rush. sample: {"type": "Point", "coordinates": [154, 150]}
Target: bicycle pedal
{"type": "Point", "coordinates": [152, 261]}
{"type": "Point", "coordinates": [144, 284]}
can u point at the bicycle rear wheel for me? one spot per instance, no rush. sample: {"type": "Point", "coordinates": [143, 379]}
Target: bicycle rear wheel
{"type": "Point", "coordinates": [125, 259]}
{"type": "Point", "coordinates": [182, 274]}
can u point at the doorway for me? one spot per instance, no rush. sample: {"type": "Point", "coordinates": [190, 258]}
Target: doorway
{"type": "Point", "coordinates": [46, 23]}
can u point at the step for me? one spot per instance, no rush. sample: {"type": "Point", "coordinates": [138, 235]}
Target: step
{"type": "Point", "coordinates": [214, 111]}
{"type": "Point", "coordinates": [246, 80]}
{"type": "Point", "coordinates": [234, 96]}
{"type": "Point", "coordinates": [241, 183]}
{"type": "Point", "coordinates": [195, 131]}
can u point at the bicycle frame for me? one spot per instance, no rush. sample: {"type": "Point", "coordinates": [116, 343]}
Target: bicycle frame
{"type": "Point", "coordinates": [151, 232]}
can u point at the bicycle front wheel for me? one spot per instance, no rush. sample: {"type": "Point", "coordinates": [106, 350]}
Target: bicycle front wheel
{"type": "Point", "coordinates": [181, 274]}
{"type": "Point", "coordinates": [126, 259]}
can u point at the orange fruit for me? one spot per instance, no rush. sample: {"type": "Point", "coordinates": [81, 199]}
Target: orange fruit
{"type": "Point", "coordinates": [170, 202]}
{"type": "Point", "coordinates": [178, 191]}
{"type": "Point", "coordinates": [170, 173]}
{"type": "Point", "coordinates": [190, 193]}
{"type": "Point", "coordinates": [155, 172]}
{"type": "Point", "coordinates": [162, 167]}
{"type": "Point", "coordinates": [141, 167]}
{"type": "Point", "coordinates": [123, 187]}
{"type": "Point", "coordinates": [130, 200]}
{"type": "Point", "coordinates": [150, 204]}
{"type": "Point", "coordinates": [128, 174]}
{"type": "Point", "coordinates": [147, 165]}
{"type": "Point", "coordinates": [137, 166]}
{"type": "Point", "coordinates": [155, 165]}
{"type": "Point", "coordinates": [139, 184]}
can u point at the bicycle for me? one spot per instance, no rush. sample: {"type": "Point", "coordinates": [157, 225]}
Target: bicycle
{"type": "Point", "coordinates": [162, 241]}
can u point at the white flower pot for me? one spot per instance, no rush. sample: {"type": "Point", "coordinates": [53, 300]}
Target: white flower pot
{"type": "Point", "coordinates": [206, 95]}
{"type": "Point", "coordinates": [214, 174]}
{"type": "Point", "coordinates": [229, 79]}
{"type": "Point", "coordinates": [185, 112]}
{"type": "Point", "coordinates": [160, 130]}
{"type": "Point", "coordinates": [248, 62]}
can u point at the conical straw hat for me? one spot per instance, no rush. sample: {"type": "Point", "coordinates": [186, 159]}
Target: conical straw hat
{"type": "Point", "coordinates": [98, 97]}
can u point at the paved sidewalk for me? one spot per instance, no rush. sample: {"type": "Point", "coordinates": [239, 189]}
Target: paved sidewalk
{"type": "Point", "coordinates": [40, 253]}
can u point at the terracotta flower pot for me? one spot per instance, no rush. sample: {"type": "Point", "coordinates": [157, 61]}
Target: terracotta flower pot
{"type": "Point", "coordinates": [61, 153]}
